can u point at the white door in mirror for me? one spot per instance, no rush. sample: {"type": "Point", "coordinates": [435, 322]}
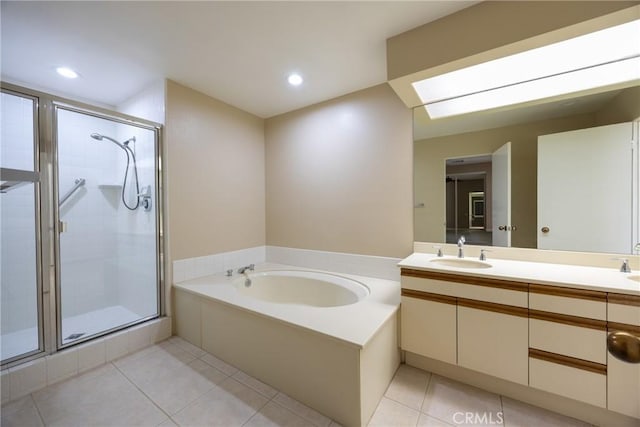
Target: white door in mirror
{"type": "Point", "coordinates": [582, 175]}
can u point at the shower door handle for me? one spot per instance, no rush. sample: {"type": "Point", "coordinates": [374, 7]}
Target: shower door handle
{"type": "Point", "coordinates": [62, 227]}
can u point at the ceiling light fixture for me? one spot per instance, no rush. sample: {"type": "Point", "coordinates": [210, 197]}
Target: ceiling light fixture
{"type": "Point", "coordinates": [295, 79]}
{"type": "Point", "coordinates": [67, 72]}
{"type": "Point", "coordinates": [602, 58]}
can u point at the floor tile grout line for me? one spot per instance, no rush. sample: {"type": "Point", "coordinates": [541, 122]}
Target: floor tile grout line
{"type": "Point", "coordinates": [35, 404]}
{"type": "Point", "coordinates": [153, 402]}
{"type": "Point", "coordinates": [141, 391]}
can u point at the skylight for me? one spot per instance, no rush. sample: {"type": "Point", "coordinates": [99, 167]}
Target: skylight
{"type": "Point", "coordinates": [598, 59]}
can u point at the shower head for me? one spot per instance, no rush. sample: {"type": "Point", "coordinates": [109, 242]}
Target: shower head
{"type": "Point", "coordinates": [100, 137]}
{"type": "Point", "coordinates": [132, 139]}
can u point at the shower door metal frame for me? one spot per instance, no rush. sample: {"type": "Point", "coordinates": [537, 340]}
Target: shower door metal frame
{"type": "Point", "coordinates": [47, 214]}
{"type": "Point", "coordinates": [39, 225]}
{"type": "Point", "coordinates": [74, 107]}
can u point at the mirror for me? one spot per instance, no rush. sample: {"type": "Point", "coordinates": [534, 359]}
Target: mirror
{"type": "Point", "coordinates": [446, 150]}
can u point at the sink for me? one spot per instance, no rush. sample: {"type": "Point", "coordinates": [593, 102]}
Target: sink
{"type": "Point", "coordinates": [635, 278]}
{"type": "Point", "coordinates": [460, 263]}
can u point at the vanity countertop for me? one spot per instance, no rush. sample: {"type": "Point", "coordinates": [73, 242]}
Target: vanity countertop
{"type": "Point", "coordinates": [571, 276]}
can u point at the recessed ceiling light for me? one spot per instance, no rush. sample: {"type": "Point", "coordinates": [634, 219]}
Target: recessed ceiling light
{"type": "Point", "coordinates": [67, 72]}
{"type": "Point", "coordinates": [295, 79]}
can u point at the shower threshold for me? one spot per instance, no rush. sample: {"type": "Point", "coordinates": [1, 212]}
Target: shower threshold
{"type": "Point", "coordinates": [94, 322]}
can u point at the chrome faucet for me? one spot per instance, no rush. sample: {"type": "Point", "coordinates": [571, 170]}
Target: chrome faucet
{"type": "Point", "coordinates": [249, 267]}
{"type": "Point", "coordinates": [461, 241]}
{"type": "Point", "coordinates": [243, 270]}
{"type": "Point", "coordinates": [624, 268]}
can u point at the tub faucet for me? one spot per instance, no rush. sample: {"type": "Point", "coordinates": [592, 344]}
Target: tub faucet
{"type": "Point", "coordinates": [243, 270]}
{"type": "Point", "coordinates": [249, 267]}
{"type": "Point", "coordinates": [461, 241]}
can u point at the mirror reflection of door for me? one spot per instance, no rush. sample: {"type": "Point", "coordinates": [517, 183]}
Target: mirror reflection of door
{"type": "Point", "coordinates": [476, 210]}
{"type": "Point", "coordinates": [468, 200]}
{"type": "Point", "coordinates": [501, 196]}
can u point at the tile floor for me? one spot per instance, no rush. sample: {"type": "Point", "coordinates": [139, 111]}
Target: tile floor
{"type": "Point", "coordinates": [174, 383]}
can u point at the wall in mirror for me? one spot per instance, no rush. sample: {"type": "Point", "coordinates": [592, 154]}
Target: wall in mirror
{"type": "Point", "coordinates": [442, 145]}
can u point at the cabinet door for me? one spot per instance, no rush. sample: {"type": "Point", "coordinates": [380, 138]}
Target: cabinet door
{"type": "Point", "coordinates": [623, 385]}
{"type": "Point", "coordinates": [494, 343]}
{"type": "Point", "coordinates": [428, 328]}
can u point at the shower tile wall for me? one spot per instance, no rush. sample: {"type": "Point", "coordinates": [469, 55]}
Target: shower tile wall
{"type": "Point", "coordinates": [89, 246]}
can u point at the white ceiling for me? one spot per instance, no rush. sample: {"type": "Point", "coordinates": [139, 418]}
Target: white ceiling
{"type": "Point", "coordinates": [238, 52]}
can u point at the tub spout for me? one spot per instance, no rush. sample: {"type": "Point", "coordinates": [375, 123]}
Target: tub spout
{"type": "Point", "coordinates": [245, 270]}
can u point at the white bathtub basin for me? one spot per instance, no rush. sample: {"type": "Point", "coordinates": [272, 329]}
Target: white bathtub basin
{"type": "Point", "coordinates": [302, 288]}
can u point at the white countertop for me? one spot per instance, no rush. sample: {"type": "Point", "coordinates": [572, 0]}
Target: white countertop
{"type": "Point", "coordinates": [571, 276]}
{"type": "Point", "coordinates": [355, 323]}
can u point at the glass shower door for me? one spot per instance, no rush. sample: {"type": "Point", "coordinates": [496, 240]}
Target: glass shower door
{"type": "Point", "coordinates": [20, 280]}
{"type": "Point", "coordinates": [107, 224]}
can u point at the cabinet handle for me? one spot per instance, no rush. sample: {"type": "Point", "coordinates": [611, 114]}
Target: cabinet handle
{"type": "Point", "coordinates": [624, 346]}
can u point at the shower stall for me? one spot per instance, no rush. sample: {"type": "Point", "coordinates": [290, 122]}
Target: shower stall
{"type": "Point", "coordinates": [81, 223]}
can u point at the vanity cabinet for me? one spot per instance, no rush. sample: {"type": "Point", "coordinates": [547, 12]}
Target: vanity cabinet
{"type": "Point", "coordinates": [477, 323]}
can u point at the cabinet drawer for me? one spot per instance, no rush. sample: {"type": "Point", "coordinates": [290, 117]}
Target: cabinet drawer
{"type": "Point", "coordinates": [494, 291]}
{"type": "Point", "coordinates": [575, 383]}
{"type": "Point", "coordinates": [567, 301]}
{"type": "Point", "coordinates": [575, 341]}
{"type": "Point", "coordinates": [428, 328]}
{"type": "Point", "coordinates": [624, 309]}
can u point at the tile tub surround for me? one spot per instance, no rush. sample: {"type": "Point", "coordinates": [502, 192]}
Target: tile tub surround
{"type": "Point", "coordinates": [29, 377]}
{"type": "Point", "coordinates": [304, 351]}
{"type": "Point", "coordinates": [362, 265]}
{"type": "Point", "coordinates": [127, 392]}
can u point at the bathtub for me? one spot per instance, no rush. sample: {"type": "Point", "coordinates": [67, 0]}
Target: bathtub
{"type": "Point", "coordinates": [328, 340]}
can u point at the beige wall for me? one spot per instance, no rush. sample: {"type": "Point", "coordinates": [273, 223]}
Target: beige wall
{"type": "Point", "coordinates": [339, 175]}
{"type": "Point", "coordinates": [215, 175]}
{"type": "Point", "coordinates": [625, 107]}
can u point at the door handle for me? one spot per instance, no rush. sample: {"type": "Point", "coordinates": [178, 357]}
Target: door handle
{"type": "Point", "coordinates": [62, 227]}
{"type": "Point", "coordinates": [545, 230]}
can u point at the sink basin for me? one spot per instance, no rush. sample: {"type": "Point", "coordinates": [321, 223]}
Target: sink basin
{"type": "Point", "coordinates": [635, 278]}
{"type": "Point", "coordinates": [460, 263]}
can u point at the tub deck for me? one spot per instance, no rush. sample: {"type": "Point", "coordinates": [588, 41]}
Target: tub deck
{"type": "Point", "coordinates": [337, 360]}
{"type": "Point", "coordinates": [354, 323]}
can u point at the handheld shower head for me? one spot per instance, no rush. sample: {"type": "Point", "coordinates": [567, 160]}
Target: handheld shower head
{"type": "Point", "coordinates": [100, 137]}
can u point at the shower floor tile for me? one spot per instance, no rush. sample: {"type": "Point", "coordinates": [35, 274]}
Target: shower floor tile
{"type": "Point", "coordinates": [93, 322]}
{"type": "Point", "coordinates": [172, 384]}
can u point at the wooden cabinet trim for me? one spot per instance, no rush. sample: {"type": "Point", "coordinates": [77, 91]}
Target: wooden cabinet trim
{"type": "Point", "coordinates": [568, 320]}
{"type": "Point", "coordinates": [497, 308]}
{"type": "Point", "coordinates": [428, 296]}
{"type": "Point", "coordinates": [568, 292]}
{"type": "Point", "coordinates": [623, 327]}
{"type": "Point", "coordinates": [468, 280]}
{"type": "Point", "coordinates": [572, 362]}
{"type": "Point", "coordinates": [624, 299]}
